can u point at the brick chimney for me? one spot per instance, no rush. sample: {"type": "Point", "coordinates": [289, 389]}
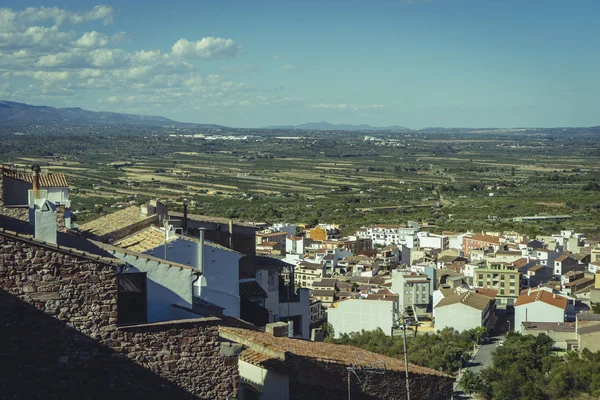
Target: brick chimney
{"type": "Point", "coordinates": [36, 177]}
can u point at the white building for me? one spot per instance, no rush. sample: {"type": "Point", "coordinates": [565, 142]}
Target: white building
{"type": "Point", "coordinates": [306, 273]}
{"type": "Point", "coordinates": [464, 311]}
{"type": "Point", "coordinates": [166, 283]}
{"type": "Point", "coordinates": [439, 295]}
{"type": "Point", "coordinates": [594, 267]}
{"type": "Point", "coordinates": [539, 306]}
{"type": "Point", "coordinates": [296, 244]}
{"type": "Point", "coordinates": [218, 281]}
{"type": "Point", "coordinates": [383, 235]}
{"type": "Point", "coordinates": [389, 254]}
{"type": "Point", "coordinates": [414, 290]}
{"type": "Point", "coordinates": [430, 240]}
{"type": "Point", "coordinates": [546, 257]}
{"type": "Point", "coordinates": [456, 241]}
{"type": "Point", "coordinates": [290, 229]}
{"type": "Point", "coordinates": [295, 307]}
{"type": "Point", "coordinates": [369, 313]}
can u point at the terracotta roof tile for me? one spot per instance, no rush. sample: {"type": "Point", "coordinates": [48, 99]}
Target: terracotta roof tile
{"type": "Point", "coordinates": [268, 244]}
{"type": "Point", "coordinates": [115, 221]}
{"type": "Point", "coordinates": [316, 351]}
{"type": "Point", "coordinates": [478, 301]}
{"type": "Point", "coordinates": [152, 237]}
{"type": "Point", "coordinates": [486, 238]}
{"type": "Point", "coordinates": [491, 293]}
{"type": "Point", "coordinates": [254, 357]}
{"type": "Point", "coordinates": [326, 282]}
{"type": "Point", "coordinates": [536, 267]}
{"type": "Point", "coordinates": [550, 326]}
{"type": "Point", "coordinates": [46, 180]}
{"type": "Point", "coordinates": [579, 281]}
{"type": "Point", "coordinates": [543, 296]}
{"type": "Point", "coordinates": [520, 262]}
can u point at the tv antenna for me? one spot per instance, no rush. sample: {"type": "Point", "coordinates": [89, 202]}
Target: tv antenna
{"type": "Point", "coordinates": [378, 369]}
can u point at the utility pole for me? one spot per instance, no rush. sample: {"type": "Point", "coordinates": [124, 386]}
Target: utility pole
{"type": "Point", "coordinates": [402, 325]}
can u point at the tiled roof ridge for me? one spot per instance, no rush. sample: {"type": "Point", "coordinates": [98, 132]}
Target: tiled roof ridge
{"type": "Point", "coordinates": [177, 236]}
{"type": "Point", "coordinates": [113, 249]}
{"type": "Point", "coordinates": [281, 352]}
{"type": "Point", "coordinates": [46, 180]}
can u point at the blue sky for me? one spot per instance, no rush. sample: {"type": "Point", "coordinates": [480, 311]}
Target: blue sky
{"type": "Point", "coordinates": [419, 63]}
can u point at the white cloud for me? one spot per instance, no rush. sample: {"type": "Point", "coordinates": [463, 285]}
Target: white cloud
{"type": "Point", "coordinates": [206, 48]}
{"type": "Point", "coordinates": [92, 39]}
{"type": "Point", "coordinates": [11, 20]}
{"type": "Point", "coordinates": [290, 66]}
{"type": "Point", "coordinates": [44, 55]}
{"type": "Point", "coordinates": [35, 36]}
{"type": "Point", "coordinates": [275, 57]}
{"type": "Point", "coordinates": [344, 107]}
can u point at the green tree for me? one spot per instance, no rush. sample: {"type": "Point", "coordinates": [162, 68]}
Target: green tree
{"type": "Point", "coordinates": [470, 382]}
{"type": "Point", "coordinates": [328, 331]}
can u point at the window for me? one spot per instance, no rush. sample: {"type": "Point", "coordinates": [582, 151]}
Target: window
{"type": "Point", "coordinates": [131, 298]}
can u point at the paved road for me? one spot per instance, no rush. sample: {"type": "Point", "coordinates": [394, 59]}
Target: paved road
{"type": "Point", "coordinates": [483, 359]}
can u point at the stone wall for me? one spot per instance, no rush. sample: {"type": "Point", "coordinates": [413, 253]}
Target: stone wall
{"type": "Point", "coordinates": [59, 336]}
{"type": "Point", "coordinates": [316, 380]}
{"type": "Point", "coordinates": [21, 213]}
{"type": "Point", "coordinates": [60, 218]}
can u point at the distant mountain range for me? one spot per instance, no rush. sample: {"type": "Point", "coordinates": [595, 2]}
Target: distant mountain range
{"type": "Point", "coordinates": [326, 126]}
{"type": "Point", "coordinates": [21, 112]}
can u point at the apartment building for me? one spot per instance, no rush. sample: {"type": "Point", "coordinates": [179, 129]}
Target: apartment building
{"type": "Point", "coordinates": [383, 235]}
{"type": "Point", "coordinates": [414, 290]}
{"type": "Point", "coordinates": [501, 277]}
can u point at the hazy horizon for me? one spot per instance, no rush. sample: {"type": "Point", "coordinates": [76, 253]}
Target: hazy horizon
{"type": "Point", "coordinates": [413, 63]}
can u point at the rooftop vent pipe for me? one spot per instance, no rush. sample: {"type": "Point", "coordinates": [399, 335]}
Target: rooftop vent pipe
{"type": "Point", "coordinates": [36, 176]}
{"type": "Point", "coordinates": [201, 251]}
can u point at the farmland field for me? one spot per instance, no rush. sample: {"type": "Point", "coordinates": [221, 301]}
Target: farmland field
{"type": "Point", "coordinates": [453, 179]}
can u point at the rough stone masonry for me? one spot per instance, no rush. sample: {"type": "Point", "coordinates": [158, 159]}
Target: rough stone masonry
{"type": "Point", "coordinates": [59, 336]}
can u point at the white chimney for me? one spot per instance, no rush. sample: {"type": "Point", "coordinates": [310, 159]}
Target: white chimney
{"type": "Point", "coordinates": [44, 221]}
{"type": "Point", "coordinates": [201, 252]}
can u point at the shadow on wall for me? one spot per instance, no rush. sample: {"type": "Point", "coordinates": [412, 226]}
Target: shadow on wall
{"type": "Point", "coordinates": [42, 357]}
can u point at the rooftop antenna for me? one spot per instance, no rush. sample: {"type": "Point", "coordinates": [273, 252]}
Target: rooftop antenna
{"type": "Point", "coordinates": [378, 369]}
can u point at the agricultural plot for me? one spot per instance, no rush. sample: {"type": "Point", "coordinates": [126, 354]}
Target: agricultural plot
{"type": "Point", "coordinates": [455, 180]}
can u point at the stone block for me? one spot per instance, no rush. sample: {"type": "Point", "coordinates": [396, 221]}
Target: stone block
{"type": "Point", "coordinates": [277, 329]}
{"type": "Point", "coordinates": [230, 349]}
